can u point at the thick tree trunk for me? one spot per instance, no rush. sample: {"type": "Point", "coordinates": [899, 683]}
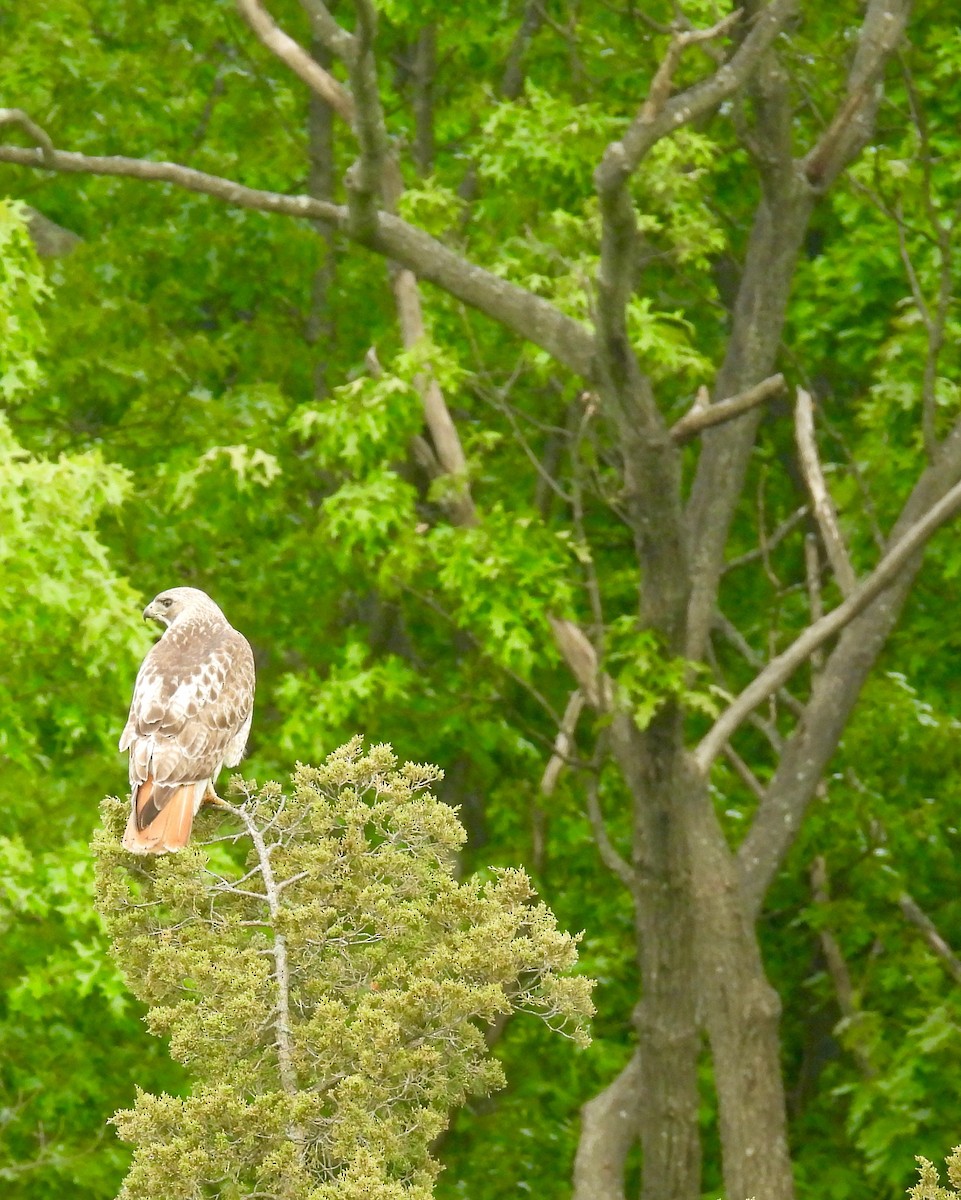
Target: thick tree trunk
{"type": "Point", "coordinates": [739, 1008]}
{"type": "Point", "coordinates": [665, 1017]}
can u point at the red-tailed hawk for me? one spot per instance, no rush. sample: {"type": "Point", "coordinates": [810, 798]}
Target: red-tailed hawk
{"type": "Point", "coordinates": [190, 716]}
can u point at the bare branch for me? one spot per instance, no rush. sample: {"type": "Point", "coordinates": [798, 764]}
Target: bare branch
{"type": "Point", "coordinates": [812, 572]}
{"type": "Point", "coordinates": [294, 56]}
{"type": "Point", "coordinates": [780, 669]}
{"type": "Point", "coordinates": [824, 511]}
{"type": "Point", "coordinates": [376, 179]}
{"type": "Point", "coordinates": [663, 80]}
{"type": "Point", "coordinates": [581, 657]}
{"type": "Point", "coordinates": [744, 772]}
{"type": "Point", "coordinates": [881, 31]}
{"type": "Point", "coordinates": [609, 1128]}
{"type": "Point", "coordinates": [326, 30]}
{"type": "Point", "coordinates": [610, 857]}
{"type": "Point", "coordinates": [740, 643]}
{"type": "Point", "coordinates": [777, 536]}
{"type": "Point", "coordinates": [16, 116]}
{"type": "Point", "coordinates": [623, 157]}
{"type": "Point", "coordinates": [282, 1010]}
{"type": "Point", "coordinates": [929, 931]}
{"type": "Point", "coordinates": [529, 316]}
{"type": "Point", "coordinates": [837, 966]}
{"type": "Point", "coordinates": [702, 417]}
{"type": "Point", "coordinates": [562, 742]}
{"type": "Point", "coordinates": [834, 693]}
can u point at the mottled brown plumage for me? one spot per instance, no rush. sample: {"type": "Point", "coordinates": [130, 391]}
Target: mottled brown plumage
{"type": "Point", "coordinates": [190, 716]}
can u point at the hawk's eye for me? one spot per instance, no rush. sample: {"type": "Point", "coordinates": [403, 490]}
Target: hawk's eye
{"type": "Point", "coordinates": [167, 601]}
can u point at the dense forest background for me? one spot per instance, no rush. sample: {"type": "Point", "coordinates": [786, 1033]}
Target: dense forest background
{"type": "Point", "coordinates": [420, 504]}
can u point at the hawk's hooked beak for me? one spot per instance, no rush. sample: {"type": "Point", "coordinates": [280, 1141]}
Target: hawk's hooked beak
{"type": "Point", "coordinates": [150, 612]}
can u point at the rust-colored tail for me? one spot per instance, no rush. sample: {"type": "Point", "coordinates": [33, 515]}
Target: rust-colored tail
{"type": "Point", "coordinates": [166, 822]}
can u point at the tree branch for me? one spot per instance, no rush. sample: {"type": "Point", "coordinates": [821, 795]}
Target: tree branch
{"type": "Point", "coordinates": [528, 316]}
{"type": "Point", "coordinates": [610, 857]}
{"type": "Point", "coordinates": [834, 694]}
{"type": "Point", "coordinates": [777, 536]}
{"type": "Point", "coordinates": [581, 658]}
{"type": "Point", "coordinates": [16, 116]}
{"type": "Point", "coordinates": [823, 505]}
{"type": "Point", "coordinates": [702, 417]}
{"type": "Point", "coordinates": [780, 669]}
{"type": "Point", "coordinates": [328, 32]}
{"type": "Point", "coordinates": [282, 1010]}
{"type": "Point", "coordinates": [837, 965]}
{"type": "Point", "coordinates": [659, 116]}
{"type": "Point", "coordinates": [562, 742]}
{"type": "Point", "coordinates": [782, 217]}
{"type": "Point", "coordinates": [294, 56]}
{"type": "Point", "coordinates": [929, 931]}
{"type": "Point", "coordinates": [375, 179]}
{"type": "Point", "coordinates": [881, 31]}
{"type": "Point", "coordinates": [609, 1127]}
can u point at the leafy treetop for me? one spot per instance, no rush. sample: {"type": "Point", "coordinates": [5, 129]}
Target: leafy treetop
{"type": "Point", "coordinates": [327, 996]}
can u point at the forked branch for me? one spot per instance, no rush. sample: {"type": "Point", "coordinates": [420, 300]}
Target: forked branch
{"type": "Point", "coordinates": [780, 669]}
{"type": "Point", "coordinates": [16, 116]}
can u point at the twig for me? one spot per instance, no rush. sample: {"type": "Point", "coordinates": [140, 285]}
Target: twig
{"type": "Point", "coordinates": [662, 83]}
{"type": "Point", "coordinates": [836, 964]}
{"type": "Point", "coordinates": [929, 931]}
{"type": "Point", "coordinates": [700, 417]}
{"type": "Point", "coordinates": [824, 511]}
{"type": "Point", "coordinates": [780, 669]}
{"type": "Point", "coordinates": [744, 772]}
{"type": "Point", "coordinates": [610, 857]}
{"type": "Point", "coordinates": [737, 639]}
{"type": "Point", "coordinates": [780, 533]}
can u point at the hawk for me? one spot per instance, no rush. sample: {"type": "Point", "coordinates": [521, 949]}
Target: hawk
{"type": "Point", "coordinates": [190, 716]}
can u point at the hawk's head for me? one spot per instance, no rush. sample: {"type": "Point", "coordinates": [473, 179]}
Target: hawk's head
{"type": "Point", "coordinates": [175, 604]}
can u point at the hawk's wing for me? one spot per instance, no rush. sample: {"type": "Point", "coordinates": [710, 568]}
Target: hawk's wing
{"type": "Point", "coordinates": [191, 708]}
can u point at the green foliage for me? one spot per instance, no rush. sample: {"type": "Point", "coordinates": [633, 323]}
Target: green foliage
{"type": "Point", "coordinates": [167, 425]}
{"type": "Point", "coordinates": [647, 678]}
{"type": "Point", "coordinates": [22, 286]}
{"type": "Point", "coordinates": [327, 996]}
{"type": "Point", "coordinates": [66, 1016]}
